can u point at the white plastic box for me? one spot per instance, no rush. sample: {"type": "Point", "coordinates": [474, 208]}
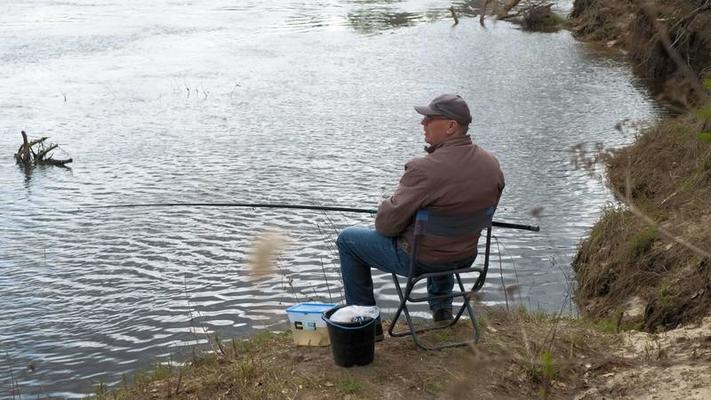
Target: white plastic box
{"type": "Point", "coordinates": [307, 326]}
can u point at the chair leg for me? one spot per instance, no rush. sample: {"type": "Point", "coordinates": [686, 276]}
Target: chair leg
{"type": "Point", "coordinates": [412, 331]}
{"type": "Point", "coordinates": [399, 310]}
{"type": "Point", "coordinates": [410, 324]}
{"type": "Point", "coordinates": [402, 308]}
{"type": "Point", "coordinates": [470, 310]}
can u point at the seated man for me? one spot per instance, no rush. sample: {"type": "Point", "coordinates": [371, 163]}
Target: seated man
{"type": "Point", "coordinates": [455, 177]}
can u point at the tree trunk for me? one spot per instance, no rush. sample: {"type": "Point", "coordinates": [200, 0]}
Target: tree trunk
{"type": "Point", "coordinates": [23, 154]}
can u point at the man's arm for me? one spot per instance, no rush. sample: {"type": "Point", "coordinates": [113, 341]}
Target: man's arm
{"type": "Point", "coordinates": [396, 212]}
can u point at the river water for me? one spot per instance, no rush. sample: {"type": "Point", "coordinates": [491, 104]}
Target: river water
{"type": "Point", "coordinates": [261, 101]}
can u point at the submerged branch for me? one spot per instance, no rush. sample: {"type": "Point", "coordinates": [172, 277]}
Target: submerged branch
{"type": "Point", "coordinates": [454, 15]}
{"type": "Point", "coordinates": [483, 12]}
{"type": "Point", "coordinates": [35, 152]}
{"type": "Point", "coordinates": [42, 153]}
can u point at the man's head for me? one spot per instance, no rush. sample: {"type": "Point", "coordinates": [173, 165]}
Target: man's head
{"type": "Point", "coordinates": [445, 116]}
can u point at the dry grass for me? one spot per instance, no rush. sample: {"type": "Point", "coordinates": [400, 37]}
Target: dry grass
{"type": "Point", "coordinates": [663, 257]}
{"type": "Point", "coordinates": [521, 356]}
{"type": "Point", "coordinates": [655, 245]}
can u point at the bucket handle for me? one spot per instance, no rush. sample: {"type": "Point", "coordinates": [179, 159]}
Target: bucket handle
{"type": "Point", "coordinates": [336, 324]}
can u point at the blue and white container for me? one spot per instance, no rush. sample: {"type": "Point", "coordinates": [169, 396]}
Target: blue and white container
{"type": "Point", "coordinates": [307, 326]}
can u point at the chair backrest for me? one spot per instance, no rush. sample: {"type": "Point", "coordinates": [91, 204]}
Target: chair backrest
{"type": "Point", "coordinates": [428, 223]}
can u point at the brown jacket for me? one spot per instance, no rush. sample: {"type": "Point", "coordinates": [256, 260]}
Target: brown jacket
{"type": "Point", "coordinates": [456, 177]}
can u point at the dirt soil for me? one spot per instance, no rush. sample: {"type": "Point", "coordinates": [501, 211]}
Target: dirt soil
{"type": "Point", "coordinates": [675, 365]}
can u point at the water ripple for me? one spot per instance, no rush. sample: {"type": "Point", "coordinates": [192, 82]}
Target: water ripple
{"type": "Point", "coordinates": [282, 102]}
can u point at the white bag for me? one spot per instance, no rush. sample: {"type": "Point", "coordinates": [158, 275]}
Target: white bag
{"type": "Point", "coordinates": [351, 314]}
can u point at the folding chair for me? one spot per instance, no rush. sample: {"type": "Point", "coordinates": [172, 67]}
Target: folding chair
{"type": "Point", "coordinates": [427, 223]}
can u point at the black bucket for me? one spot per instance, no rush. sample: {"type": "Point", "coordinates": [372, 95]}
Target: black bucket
{"type": "Point", "coordinates": [351, 343]}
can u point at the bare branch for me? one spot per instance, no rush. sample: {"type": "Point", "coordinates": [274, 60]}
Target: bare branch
{"type": "Point", "coordinates": [454, 15]}
{"type": "Point", "coordinates": [40, 156]}
{"type": "Point", "coordinates": [483, 12]}
{"type": "Point", "coordinates": [27, 155]}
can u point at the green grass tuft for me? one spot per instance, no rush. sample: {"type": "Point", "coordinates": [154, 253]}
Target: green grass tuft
{"type": "Point", "coordinates": [703, 113]}
{"type": "Point", "coordinates": [555, 20]}
{"type": "Point", "coordinates": [351, 386]}
{"type": "Point", "coordinates": [707, 164]}
{"type": "Point", "coordinates": [161, 371]}
{"type": "Point", "coordinates": [548, 367]}
{"type": "Point", "coordinates": [544, 371]}
{"type": "Point", "coordinates": [642, 242]}
{"type": "Point", "coordinates": [435, 387]}
{"type": "Point", "coordinates": [666, 293]}
{"type": "Point", "coordinates": [680, 129]}
{"type": "Point", "coordinates": [256, 342]}
{"type": "Point", "coordinates": [707, 84]}
{"type": "Point", "coordinates": [607, 325]}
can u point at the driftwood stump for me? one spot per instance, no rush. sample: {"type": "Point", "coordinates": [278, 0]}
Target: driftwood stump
{"type": "Point", "coordinates": [36, 152]}
{"type": "Point", "coordinates": [537, 17]}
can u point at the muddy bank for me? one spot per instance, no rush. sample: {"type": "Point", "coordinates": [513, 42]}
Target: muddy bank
{"type": "Point", "coordinates": [626, 25]}
{"type": "Point", "coordinates": [646, 264]}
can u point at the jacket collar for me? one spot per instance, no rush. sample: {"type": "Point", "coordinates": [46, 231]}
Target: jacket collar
{"type": "Point", "coordinates": [459, 140]}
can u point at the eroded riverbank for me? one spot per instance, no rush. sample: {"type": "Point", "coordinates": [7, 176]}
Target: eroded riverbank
{"type": "Point", "coordinates": [653, 250]}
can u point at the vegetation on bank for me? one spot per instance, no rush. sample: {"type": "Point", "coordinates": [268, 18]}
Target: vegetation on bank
{"type": "Point", "coordinates": [655, 247]}
{"type": "Point", "coordinates": [522, 356]}
{"type": "Point", "coordinates": [652, 252]}
{"type": "Point", "coordinates": [640, 28]}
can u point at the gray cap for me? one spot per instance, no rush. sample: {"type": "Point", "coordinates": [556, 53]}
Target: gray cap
{"type": "Point", "coordinates": [448, 105]}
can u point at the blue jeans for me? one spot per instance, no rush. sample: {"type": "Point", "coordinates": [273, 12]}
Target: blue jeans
{"type": "Point", "coordinates": [361, 249]}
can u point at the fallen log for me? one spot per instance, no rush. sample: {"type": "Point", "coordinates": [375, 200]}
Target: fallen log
{"type": "Point", "coordinates": [28, 156]}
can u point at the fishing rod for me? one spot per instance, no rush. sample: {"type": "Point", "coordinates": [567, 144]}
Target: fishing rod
{"type": "Point", "coordinates": [499, 224]}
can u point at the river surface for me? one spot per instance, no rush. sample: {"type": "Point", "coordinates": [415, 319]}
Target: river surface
{"type": "Point", "coordinates": [306, 102]}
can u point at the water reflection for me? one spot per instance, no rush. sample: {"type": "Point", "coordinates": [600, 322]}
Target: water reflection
{"type": "Point", "coordinates": [372, 20]}
{"type": "Point", "coordinates": [379, 15]}
{"type": "Point", "coordinates": [372, 16]}
{"type": "Point", "coordinates": [307, 19]}
{"type": "Point", "coordinates": [27, 171]}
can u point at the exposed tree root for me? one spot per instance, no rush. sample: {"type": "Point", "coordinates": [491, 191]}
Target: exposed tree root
{"type": "Point", "coordinates": [36, 152]}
